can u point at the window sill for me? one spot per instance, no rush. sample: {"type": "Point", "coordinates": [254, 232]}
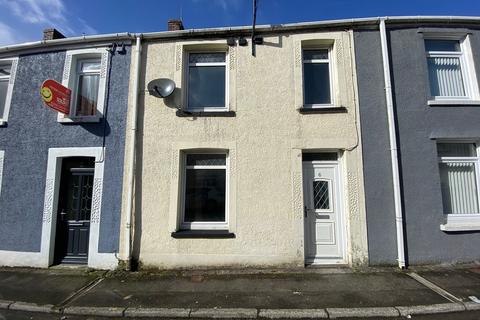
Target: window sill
{"type": "Point", "coordinates": [203, 234]}
{"type": "Point", "coordinates": [455, 227]}
{"type": "Point", "coordinates": [322, 110]}
{"type": "Point", "coordinates": [454, 102]}
{"type": "Point", "coordinates": [184, 113]}
{"type": "Point", "coordinates": [71, 120]}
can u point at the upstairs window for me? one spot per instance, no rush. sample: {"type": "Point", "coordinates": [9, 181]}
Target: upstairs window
{"type": "Point", "coordinates": [459, 175]}
{"type": "Point", "coordinates": [317, 75]}
{"type": "Point", "coordinates": [85, 73]}
{"type": "Point", "coordinates": [207, 81]}
{"type": "Point", "coordinates": [450, 71]}
{"type": "Point", "coordinates": [7, 79]}
{"type": "Point", "coordinates": [86, 87]}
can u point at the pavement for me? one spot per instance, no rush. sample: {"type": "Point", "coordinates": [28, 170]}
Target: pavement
{"type": "Point", "coordinates": [376, 293]}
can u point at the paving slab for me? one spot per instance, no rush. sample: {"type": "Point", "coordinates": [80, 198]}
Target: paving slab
{"type": "Point", "coordinates": [260, 291]}
{"type": "Point", "coordinates": [41, 287]}
{"type": "Point", "coordinates": [462, 283]}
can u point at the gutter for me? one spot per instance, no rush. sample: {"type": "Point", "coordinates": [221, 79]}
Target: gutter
{"type": "Point", "coordinates": [67, 41]}
{"type": "Point", "coordinates": [393, 147]}
{"type": "Point", "coordinates": [131, 155]}
{"type": "Point", "coordinates": [246, 30]}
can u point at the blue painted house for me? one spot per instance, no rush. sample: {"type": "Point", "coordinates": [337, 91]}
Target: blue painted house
{"type": "Point", "coordinates": [426, 71]}
{"type": "Point", "coordinates": [61, 174]}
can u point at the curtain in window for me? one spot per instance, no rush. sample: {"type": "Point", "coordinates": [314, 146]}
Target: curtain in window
{"type": "Point", "coordinates": [459, 187]}
{"type": "Point", "coordinates": [3, 95]}
{"type": "Point", "coordinates": [87, 94]}
{"type": "Point", "coordinates": [445, 77]}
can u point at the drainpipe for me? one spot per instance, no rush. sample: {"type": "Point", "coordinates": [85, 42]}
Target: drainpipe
{"type": "Point", "coordinates": [131, 156]}
{"type": "Point", "coordinates": [393, 147]}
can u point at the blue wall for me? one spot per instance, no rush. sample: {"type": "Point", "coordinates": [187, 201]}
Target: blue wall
{"type": "Point", "coordinates": [418, 125]}
{"type": "Point", "coordinates": [33, 128]}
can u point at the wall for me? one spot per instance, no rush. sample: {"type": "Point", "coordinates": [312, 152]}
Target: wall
{"type": "Point", "coordinates": [418, 125]}
{"type": "Point", "coordinates": [33, 128]}
{"type": "Point", "coordinates": [266, 138]}
{"type": "Point", "coordinates": [377, 168]}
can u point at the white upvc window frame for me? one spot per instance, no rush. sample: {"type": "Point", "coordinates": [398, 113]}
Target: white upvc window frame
{"type": "Point", "coordinates": [330, 75]}
{"type": "Point", "coordinates": [70, 80]}
{"type": "Point", "coordinates": [11, 83]}
{"type": "Point", "coordinates": [206, 64]}
{"type": "Point", "coordinates": [469, 78]}
{"type": "Point", "coordinates": [462, 221]}
{"type": "Point", "coordinates": [204, 225]}
{"type": "Point", "coordinates": [2, 159]}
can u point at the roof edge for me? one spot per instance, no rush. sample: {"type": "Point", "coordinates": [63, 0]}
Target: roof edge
{"type": "Point", "coordinates": [226, 30]}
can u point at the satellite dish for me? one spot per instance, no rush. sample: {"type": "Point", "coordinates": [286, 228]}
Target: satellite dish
{"type": "Point", "coordinates": [161, 88]}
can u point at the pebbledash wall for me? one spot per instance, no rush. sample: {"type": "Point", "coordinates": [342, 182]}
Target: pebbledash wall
{"type": "Point", "coordinates": [31, 131]}
{"type": "Point", "coordinates": [265, 140]}
{"type": "Point", "coordinates": [419, 127]}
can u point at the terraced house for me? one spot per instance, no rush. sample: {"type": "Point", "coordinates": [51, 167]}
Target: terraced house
{"type": "Point", "coordinates": [61, 174]}
{"type": "Point", "coordinates": [421, 158]}
{"type": "Point", "coordinates": [255, 158]}
{"type": "Point", "coordinates": [333, 143]}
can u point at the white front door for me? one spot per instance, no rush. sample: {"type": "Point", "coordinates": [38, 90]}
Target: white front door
{"type": "Point", "coordinates": [324, 222]}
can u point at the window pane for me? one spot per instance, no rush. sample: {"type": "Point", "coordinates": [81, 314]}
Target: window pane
{"type": "Point", "coordinates": [315, 54]}
{"type": "Point", "coordinates": [321, 196]}
{"type": "Point", "coordinates": [5, 69]}
{"type": "Point", "coordinates": [3, 95]}
{"type": "Point", "coordinates": [442, 45]}
{"type": "Point", "coordinates": [205, 195]}
{"type": "Point", "coordinates": [459, 187]}
{"type": "Point", "coordinates": [206, 87]}
{"type": "Point", "coordinates": [90, 65]}
{"type": "Point", "coordinates": [206, 159]}
{"type": "Point", "coordinates": [445, 75]}
{"type": "Point", "coordinates": [316, 83]}
{"type": "Point", "coordinates": [456, 150]}
{"type": "Point", "coordinates": [87, 94]}
{"type": "Point", "coordinates": [206, 57]}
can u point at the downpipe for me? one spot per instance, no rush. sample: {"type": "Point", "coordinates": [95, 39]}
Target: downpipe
{"type": "Point", "coordinates": [393, 148]}
{"type": "Point", "coordinates": [131, 156]}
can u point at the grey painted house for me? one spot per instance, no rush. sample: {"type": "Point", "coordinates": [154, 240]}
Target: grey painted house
{"type": "Point", "coordinates": [434, 67]}
{"type": "Point", "coordinates": [61, 175]}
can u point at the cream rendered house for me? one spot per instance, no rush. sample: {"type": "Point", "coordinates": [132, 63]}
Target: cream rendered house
{"type": "Point", "coordinates": [253, 161]}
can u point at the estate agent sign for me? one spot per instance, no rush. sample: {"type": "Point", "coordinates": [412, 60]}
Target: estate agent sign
{"type": "Point", "coordinates": [56, 96]}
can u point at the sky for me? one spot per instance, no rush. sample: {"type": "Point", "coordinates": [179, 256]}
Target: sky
{"type": "Point", "coordinates": [24, 20]}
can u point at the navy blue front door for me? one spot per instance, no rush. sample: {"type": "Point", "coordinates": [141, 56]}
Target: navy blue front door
{"type": "Point", "coordinates": [75, 202]}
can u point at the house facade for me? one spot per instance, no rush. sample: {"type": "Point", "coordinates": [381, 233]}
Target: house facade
{"type": "Point", "coordinates": [253, 161]}
{"type": "Point", "coordinates": [434, 69]}
{"type": "Point", "coordinates": [61, 174]}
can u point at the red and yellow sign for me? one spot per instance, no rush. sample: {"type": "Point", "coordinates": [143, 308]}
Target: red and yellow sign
{"type": "Point", "coordinates": [56, 96]}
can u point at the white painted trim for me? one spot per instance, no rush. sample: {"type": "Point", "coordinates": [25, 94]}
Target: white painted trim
{"type": "Point", "coordinates": [11, 83]}
{"type": "Point", "coordinates": [44, 258]}
{"type": "Point", "coordinates": [2, 157]}
{"type": "Point", "coordinates": [69, 80]}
